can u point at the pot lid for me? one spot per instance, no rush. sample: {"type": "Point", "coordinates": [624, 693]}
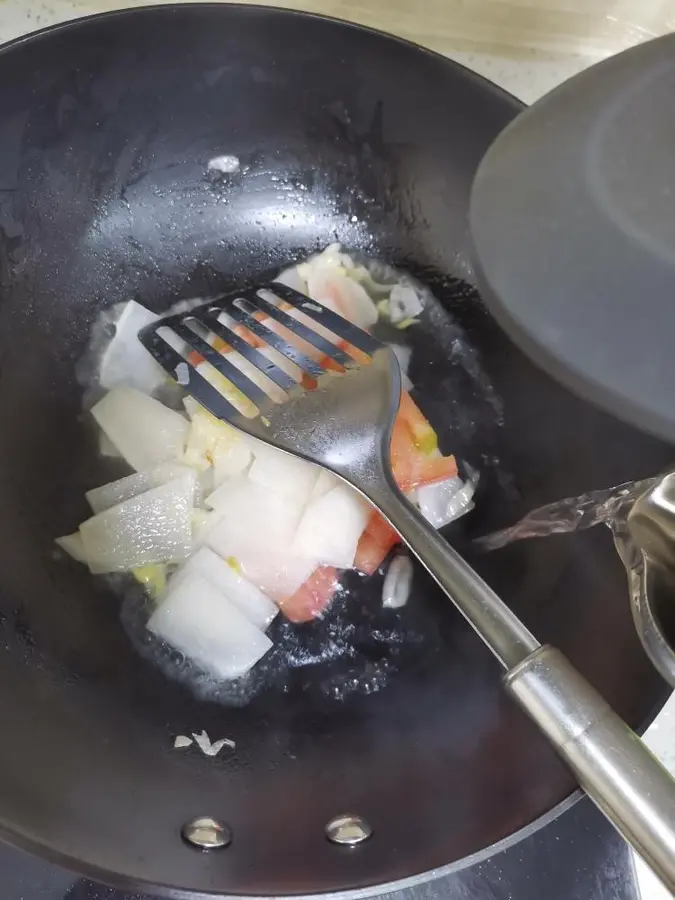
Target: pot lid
{"type": "Point", "coordinates": [573, 223]}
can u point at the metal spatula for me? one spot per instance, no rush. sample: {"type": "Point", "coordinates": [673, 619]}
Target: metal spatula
{"type": "Point", "coordinates": [290, 372]}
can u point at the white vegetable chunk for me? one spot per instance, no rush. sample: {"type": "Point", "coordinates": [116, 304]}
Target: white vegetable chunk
{"type": "Point", "coordinates": [73, 545]}
{"type": "Point", "coordinates": [206, 434]}
{"type": "Point", "coordinates": [197, 619]}
{"type": "Point", "coordinates": [257, 527]}
{"type": "Point", "coordinates": [153, 527]}
{"type": "Point", "coordinates": [106, 446]}
{"type": "Point", "coordinates": [278, 575]}
{"type": "Point", "coordinates": [102, 498]}
{"type": "Point", "coordinates": [342, 294]}
{"type": "Point", "coordinates": [230, 459]}
{"type": "Point", "coordinates": [397, 582]}
{"type": "Point", "coordinates": [253, 519]}
{"type": "Point", "coordinates": [126, 361]}
{"type": "Point", "coordinates": [287, 475]}
{"type": "Point", "coordinates": [325, 482]}
{"type": "Point", "coordinates": [292, 279]}
{"type": "Point", "coordinates": [226, 164]}
{"type": "Point", "coordinates": [445, 501]}
{"type": "Point", "coordinates": [203, 520]}
{"type": "Point", "coordinates": [404, 303]}
{"type": "Point", "coordinates": [331, 527]}
{"type": "Point", "coordinates": [192, 406]}
{"type": "Point", "coordinates": [144, 431]}
{"type": "Point", "coordinates": [250, 600]}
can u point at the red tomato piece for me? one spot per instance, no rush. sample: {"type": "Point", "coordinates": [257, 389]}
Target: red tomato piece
{"type": "Point", "coordinates": [251, 339]}
{"type": "Point", "coordinates": [423, 435]}
{"type": "Point", "coordinates": [413, 450]}
{"type": "Point", "coordinates": [195, 359]}
{"type": "Point", "coordinates": [402, 454]}
{"type": "Point", "coordinates": [312, 597]}
{"type": "Point", "coordinates": [381, 531]}
{"type": "Point", "coordinates": [435, 468]}
{"type": "Point", "coordinates": [220, 345]}
{"type": "Point", "coordinates": [369, 554]}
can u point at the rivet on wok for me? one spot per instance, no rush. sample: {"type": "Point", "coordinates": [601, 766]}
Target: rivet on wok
{"type": "Point", "coordinates": [348, 831]}
{"type": "Point", "coordinates": [207, 834]}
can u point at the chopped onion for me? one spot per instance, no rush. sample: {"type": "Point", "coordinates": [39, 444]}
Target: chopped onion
{"type": "Point", "coordinates": [364, 277]}
{"type": "Point", "coordinates": [225, 165]}
{"type": "Point", "coordinates": [153, 527]}
{"type": "Point", "coordinates": [182, 374]}
{"type": "Point", "coordinates": [153, 578]}
{"type": "Point", "coordinates": [292, 279]}
{"type": "Point", "coordinates": [207, 435]}
{"type": "Point", "coordinates": [445, 501]}
{"type": "Point", "coordinates": [404, 303]}
{"type": "Point", "coordinates": [102, 498]}
{"type": "Point", "coordinates": [144, 431]}
{"type": "Point", "coordinates": [209, 747]}
{"type": "Point", "coordinates": [397, 582]}
{"type": "Point", "coordinates": [199, 621]}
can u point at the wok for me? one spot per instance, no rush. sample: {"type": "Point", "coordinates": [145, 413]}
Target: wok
{"type": "Point", "coordinates": [106, 129]}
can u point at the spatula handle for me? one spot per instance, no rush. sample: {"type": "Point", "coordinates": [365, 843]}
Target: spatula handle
{"type": "Point", "coordinates": [490, 617]}
{"type": "Point", "coordinates": [611, 763]}
{"type": "Point", "coordinates": [609, 760]}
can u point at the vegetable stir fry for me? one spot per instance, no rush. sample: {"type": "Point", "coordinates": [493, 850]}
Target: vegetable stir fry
{"type": "Point", "coordinates": [225, 532]}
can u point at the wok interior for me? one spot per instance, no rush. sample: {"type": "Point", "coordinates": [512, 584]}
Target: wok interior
{"type": "Point", "coordinates": [106, 130]}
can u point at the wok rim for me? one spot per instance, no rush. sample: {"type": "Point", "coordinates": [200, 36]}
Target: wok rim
{"type": "Point", "coordinates": [81, 868]}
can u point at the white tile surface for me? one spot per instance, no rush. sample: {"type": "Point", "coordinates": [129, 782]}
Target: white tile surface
{"type": "Point", "coordinates": [527, 58]}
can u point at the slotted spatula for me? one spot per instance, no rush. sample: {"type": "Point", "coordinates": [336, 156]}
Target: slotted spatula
{"type": "Point", "coordinates": [296, 375]}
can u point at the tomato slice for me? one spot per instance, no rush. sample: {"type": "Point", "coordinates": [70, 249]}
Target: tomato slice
{"type": "Point", "coordinates": [251, 339]}
{"type": "Point", "coordinates": [411, 462]}
{"type": "Point", "coordinates": [381, 531]}
{"type": "Point", "coordinates": [369, 554]}
{"type": "Point", "coordinates": [195, 359]}
{"type": "Point", "coordinates": [423, 435]}
{"type": "Point", "coordinates": [376, 541]}
{"type": "Point", "coordinates": [312, 597]}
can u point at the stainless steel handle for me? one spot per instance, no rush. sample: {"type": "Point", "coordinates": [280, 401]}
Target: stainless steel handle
{"type": "Point", "coordinates": [610, 762]}
{"type": "Point", "coordinates": [491, 618]}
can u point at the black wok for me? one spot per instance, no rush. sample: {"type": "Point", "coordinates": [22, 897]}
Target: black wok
{"type": "Point", "coordinates": [106, 128]}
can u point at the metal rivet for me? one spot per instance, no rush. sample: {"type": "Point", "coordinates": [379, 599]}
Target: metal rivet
{"type": "Point", "coordinates": [207, 834]}
{"type": "Point", "coordinates": [348, 830]}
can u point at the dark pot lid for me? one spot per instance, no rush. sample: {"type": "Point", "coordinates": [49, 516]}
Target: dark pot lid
{"type": "Point", "coordinates": [573, 221]}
